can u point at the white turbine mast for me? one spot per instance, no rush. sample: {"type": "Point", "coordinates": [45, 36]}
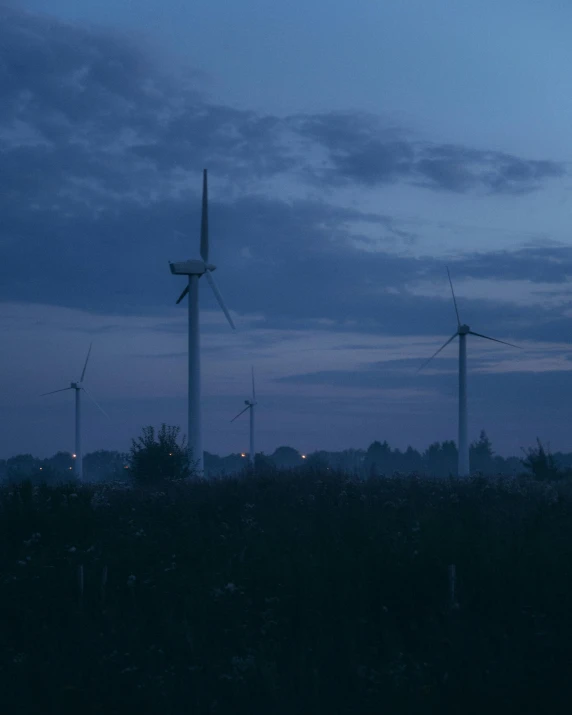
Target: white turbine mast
{"type": "Point", "coordinates": [194, 269]}
{"type": "Point", "coordinates": [250, 404]}
{"type": "Point", "coordinates": [78, 387]}
{"type": "Point", "coordinates": [462, 331]}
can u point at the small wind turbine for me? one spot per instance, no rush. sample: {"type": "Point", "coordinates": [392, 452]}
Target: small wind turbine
{"type": "Point", "coordinates": [250, 406]}
{"type": "Point", "coordinates": [462, 331]}
{"type": "Point", "coordinates": [78, 387]}
{"type": "Point", "coordinates": [194, 269]}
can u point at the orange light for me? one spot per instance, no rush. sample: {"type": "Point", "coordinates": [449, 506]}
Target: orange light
{"type": "Point", "coordinates": [303, 456]}
{"type": "Point", "coordinates": [74, 455]}
{"type": "Point", "coordinates": [243, 455]}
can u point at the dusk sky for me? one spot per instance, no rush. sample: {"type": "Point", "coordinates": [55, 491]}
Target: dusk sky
{"type": "Point", "coordinates": [354, 149]}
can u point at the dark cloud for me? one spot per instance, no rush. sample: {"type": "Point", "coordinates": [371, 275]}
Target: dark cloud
{"type": "Point", "coordinates": [87, 114]}
{"type": "Point", "coordinates": [97, 149]}
{"type": "Point", "coordinates": [362, 150]}
{"type": "Point", "coordinates": [539, 264]}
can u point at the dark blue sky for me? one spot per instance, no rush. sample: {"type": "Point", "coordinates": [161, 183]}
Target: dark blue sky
{"type": "Point", "coordinates": [353, 151]}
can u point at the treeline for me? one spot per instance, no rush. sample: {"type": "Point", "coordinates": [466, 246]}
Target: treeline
{"type": "Point", "coordinates": [160, 449]}
{"type": "Point", "coordinates": [97, 466]}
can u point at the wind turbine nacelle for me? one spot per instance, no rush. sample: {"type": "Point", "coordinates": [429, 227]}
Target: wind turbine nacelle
{"type": "Point", "coordinates": [190, 268]}
{"type": "Point", "coordinates": [464, 330]}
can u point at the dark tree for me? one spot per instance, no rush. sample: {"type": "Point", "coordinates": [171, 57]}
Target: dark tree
{"type": "Point", "coordinates": [62, 463]}
{"type": "Point", "coordinates": [23, 463]}
{"type": "Point", "coordinates": [286, 458]}
{"type": "Point", "coordinates": [481, 455]}
{"type": "Point", "coordinates": [26, 467]}
{"type": "Point", "coordinates": [411, 461]}
{"type": "Point", "coordinates": [440, 458]}
{"type": "Point", "coordinates": [378, 458]}
{"type": "Point", "coordinates": [158, 458]}
{"type": "Point", "coordinates": [432, 459]}
{"type": "Point", "coordinates": [449, 458]}
{"type": "Point", "coordinates": [104, 465]}
{"type": "Point", "coordinates": [263, 463]}
{"type": "Point", "coordinates": [317, 461]}
{"type": "Point", "coordinates": [541, 463]}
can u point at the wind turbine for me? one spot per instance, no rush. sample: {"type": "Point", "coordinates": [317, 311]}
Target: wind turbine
{"type": "Point", "coordinates": [462, 331]}
{"type": "Point", "coordinates": [250, 406]}
{"type": "Point", "coordinates": [194, 269]}
{"type": "Point", "coordinates": [78, 387]}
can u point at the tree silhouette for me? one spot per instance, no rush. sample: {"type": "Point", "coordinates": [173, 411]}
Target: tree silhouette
{"type": "Point", "coordinates": [286, 457]}
{"type": "Point", "coordinates": [155, 459]}
{"type": "Point", "coordinates": [541, 462]}
{"type": "Point", "coordinates": [481, 454]}
{"type": "Point", "coordinates": [104, 464]}
{"type": "Point", "coordinates": [378, 458]}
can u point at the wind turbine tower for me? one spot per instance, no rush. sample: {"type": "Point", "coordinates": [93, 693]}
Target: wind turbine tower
{"type": "Point", "coordinates": [250, 404]}
{"type": "Point", "coordinates": [194, 269]}
{"type": "Point", "coordinates": [78, 387]}
{"type": "Point", "coordinates": [462, 331]}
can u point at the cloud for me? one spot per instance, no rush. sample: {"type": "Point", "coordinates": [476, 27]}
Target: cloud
{"type": "Point", "coordinates": [538, 263]}
{"type": "Point", "coordinates": [89, 123]}
{"type": "Point", "coordinates": [362, 150]}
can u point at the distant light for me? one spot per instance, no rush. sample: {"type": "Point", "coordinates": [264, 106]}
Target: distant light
{"type": "Point", "coordinates": [243, 454]}
{"type": "Point", "coordinates": [41, 469]}
{"type": "Point", "coordinates": [126, 467]}
{"type": "Point", "coordinates": [70, 467]}
{"type": "Point", "coordinates": [74, 456]}
{"type": "Point", "coordinates": [303, 456]}
{"type": "Point", "coordinates": [170, 454]}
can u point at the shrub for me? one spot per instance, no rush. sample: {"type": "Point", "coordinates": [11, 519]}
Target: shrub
{"type": "Point", "coordinates": [154, 459]}
{"type": "Point", "coordinates": [541, 463]}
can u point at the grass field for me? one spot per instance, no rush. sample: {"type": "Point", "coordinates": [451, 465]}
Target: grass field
{"type": "Point", "coordinates": [295, 593]}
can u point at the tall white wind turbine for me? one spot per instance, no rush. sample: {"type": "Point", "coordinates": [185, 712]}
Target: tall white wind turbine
{"type": "Point", "coordinates": [78, 387]}
{"type": "Point", "coordinates": [250, 406]}
{"type": "Point", "coordinates": [462, 331]}
{"type": "Point", "coordinates": [194, 269]}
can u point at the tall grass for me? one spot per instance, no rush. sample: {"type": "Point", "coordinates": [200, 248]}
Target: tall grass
{"type": "Point", "coordinates": [291, 593]}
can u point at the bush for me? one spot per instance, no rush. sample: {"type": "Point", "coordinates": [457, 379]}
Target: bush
{"type": "Point", "coordinates": [542, 463]}
{"type": "Point", "coordinates": [157, 459]}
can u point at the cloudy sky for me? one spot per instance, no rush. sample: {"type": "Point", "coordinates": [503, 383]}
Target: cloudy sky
{"type": "Point", "coordinates": [354, 150]}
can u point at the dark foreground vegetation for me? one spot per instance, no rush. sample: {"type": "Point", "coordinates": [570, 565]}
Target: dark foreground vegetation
{"type": "Point", "coordinates": [293, 593]}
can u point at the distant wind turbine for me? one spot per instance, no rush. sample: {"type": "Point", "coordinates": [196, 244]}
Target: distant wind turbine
{"type": "Point", "coordinates": [78, 387]}
{"type": "Point", "coordinates": [194, 269]}
{"type": "Point", "coordinates": [462, 331]}
{"type": "Point", "coordinates": [250, 406]}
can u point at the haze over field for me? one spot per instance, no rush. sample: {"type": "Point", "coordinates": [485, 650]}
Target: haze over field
{"type": "Point", "coordinates": [351, 155]}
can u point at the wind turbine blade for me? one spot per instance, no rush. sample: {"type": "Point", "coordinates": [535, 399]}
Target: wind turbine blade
{"type": "Point", "coordinates": [218, 296]}
{"type": "Point", "coordinates": [183, 294]}
{"type": "Point", "coordinates": [438, 351]}
{"type": "Point", "coordinates": [454, 299]}
{"type": "Point", "coordinates": [99, 407]}
{"type": "Point", "coordinates": [240, 413]}
{"type": "Point", "coordinates": [253, 390]}
{"type": "Point", "coordinates": [53, 392]}
{"type": "Point", "coordinates": [486, 337]}
{"type": "Point", "coordinates": [205, 221]}
{"type": "Point", "coordinates": [87, 358]}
